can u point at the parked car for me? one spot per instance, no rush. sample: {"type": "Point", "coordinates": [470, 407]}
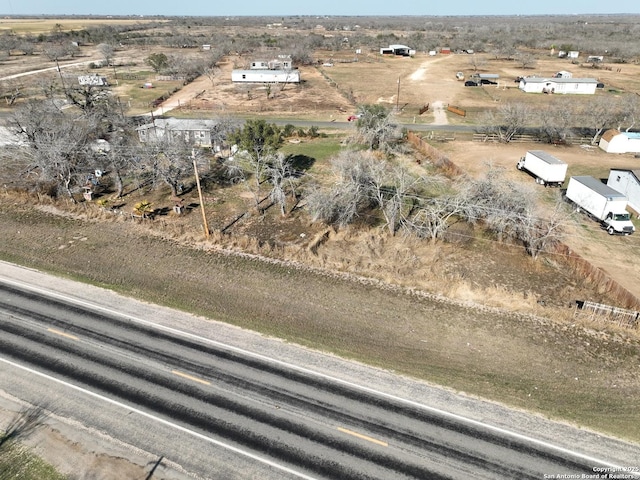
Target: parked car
{"type": "Point", "coordinates": [353, 118]}
{"type": "Point", "coordinates": [470, 83]}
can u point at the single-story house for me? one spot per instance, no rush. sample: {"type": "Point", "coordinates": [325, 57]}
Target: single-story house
{"type": "Point", "coordinates": [627, 182]}
{"type": "Point", "coordinates": [615, 141]}
{"type": "Point", "coordinates": [401, 50]}
{"type": "Point", "coordinates": [197, 132]}
{"type": "Point", "coordinates": [586, 86]}
{"type": "Point", "coordinates": [265, 76]}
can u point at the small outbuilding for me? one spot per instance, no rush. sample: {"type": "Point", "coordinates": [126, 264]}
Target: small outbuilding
{"type": "Point", "coordinates": [401, 50]}
{"type": "Point", "coordinates": [626, 182]}
{"type": "Point", "coordinates": [615, 141]}
{"type": "Point", "coordinates": [584, 86]}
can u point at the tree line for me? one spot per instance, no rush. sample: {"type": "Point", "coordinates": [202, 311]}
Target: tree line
{"type": "Point", "coordinates": [370, 183]}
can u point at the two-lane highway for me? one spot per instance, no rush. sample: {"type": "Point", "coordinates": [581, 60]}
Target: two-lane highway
{"type": "Point", "coordinates": [294, 420]}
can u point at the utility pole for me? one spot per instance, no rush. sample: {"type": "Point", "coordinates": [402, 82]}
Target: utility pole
{"type": "Point", "coordinates": [398, 97]}
{"type": "Point", "coordinates": [205, 225]}
{"type": "Point", "coordinates": [64, 87]}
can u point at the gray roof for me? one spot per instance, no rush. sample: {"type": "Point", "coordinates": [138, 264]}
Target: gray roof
{"type": "Point", "coordinates": [597, 186]}
{"type": "Point", "coordinates": [547, 157]}
{"type": "Point", "coordinates": [180, 124]}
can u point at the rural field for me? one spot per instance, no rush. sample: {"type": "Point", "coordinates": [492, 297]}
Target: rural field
{"type": "Point", "coordinates": [467, 312]}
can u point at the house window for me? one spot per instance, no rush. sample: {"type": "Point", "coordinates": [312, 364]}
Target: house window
{"type": "Point", "coordinates": [244, 76]}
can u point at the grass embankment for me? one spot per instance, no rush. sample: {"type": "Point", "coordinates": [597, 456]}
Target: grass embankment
{"type": "Point", "coordinates": [17, 462]}
{"type": "Point", "coordinates": [561, 370]}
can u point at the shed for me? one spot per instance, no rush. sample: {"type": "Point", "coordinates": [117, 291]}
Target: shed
{"type": "Point", "coordinates": [585, 86]}
{"type": "Point", "coordinates": [615, 141]}
{"type": "Point", "coordinates": [563, 74]}
{"type": "Point", "coordinates": [627, 182]}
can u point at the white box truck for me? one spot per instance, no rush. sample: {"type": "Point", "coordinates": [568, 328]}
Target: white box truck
{"type": "Point", "coordinates": [603, 203]}
{"type": "Point", "coordinates": [547, 169]}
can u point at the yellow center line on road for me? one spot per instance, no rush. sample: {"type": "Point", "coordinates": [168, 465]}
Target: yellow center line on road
{"type": "Point", "coordinates": [62, 334]}
{"type": "Point", "coordinates": [363, 437]}
{"type": "Point", "coordinates": [195, 379]}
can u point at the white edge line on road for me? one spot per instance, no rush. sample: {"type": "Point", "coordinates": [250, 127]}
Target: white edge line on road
{"type": "Point", "coordinates": [438, 411]}
{"type": "Point", "coordinates": [163, 421]}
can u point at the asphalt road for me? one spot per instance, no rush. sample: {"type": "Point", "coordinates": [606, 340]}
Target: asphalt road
{"type": "Point", "coordinates": [275, 419]}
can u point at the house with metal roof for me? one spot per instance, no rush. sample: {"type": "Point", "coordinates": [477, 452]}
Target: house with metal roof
{"type": "Point", "coordinates": [615, 141]}
{"type": "Point", "coordinates": [585, 86]}
{"type": "Point", "coordinates": [196, 132]}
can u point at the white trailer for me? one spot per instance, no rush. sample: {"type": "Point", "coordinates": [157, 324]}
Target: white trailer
{"type": "Point", "coordinates": [265, 76]}
{"type": "Point", "coordinates": [547, 169]}
{"type": "Point", "coordinates": [603, 203]}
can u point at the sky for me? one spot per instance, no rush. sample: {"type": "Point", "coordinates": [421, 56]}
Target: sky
{"type": "Point", "coordinates": [305, 7]}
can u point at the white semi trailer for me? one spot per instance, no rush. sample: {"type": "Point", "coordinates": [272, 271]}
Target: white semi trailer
{"type": "Point", "coordinates": [603, 203]}
{"type": "Point", "coordinates": [547, 169]}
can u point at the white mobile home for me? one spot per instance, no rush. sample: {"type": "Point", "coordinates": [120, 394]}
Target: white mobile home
{"type": "Point", "coordinates": [265, 76]}
{"type": "Point", "coordinates": [584, 86]}
{"type": "Point", "coordinates": [626, 182]}
{"type": "Point", "coordinates": [615, 141]}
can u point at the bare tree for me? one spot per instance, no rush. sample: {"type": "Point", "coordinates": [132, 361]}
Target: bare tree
{"type": "Point", "coordinates": [509, 120]}
{"type": "Point", "coordinates": [600, 113]}
{"type": "Point", "coordinates": [477, 62]}
{"type": "Point", "coordinates": [108, 52]}
{"type": "Point", "coordinates": [168, 160]}
{"type": "Point", "coordinates": [281, 177]}
{"type": "Point", "coordinates": [527, 60]}
{"type": "Point", "coordinates": [11, 90]}
{"type": "Point", "coordinates": [58, 143]}
{"type": "Point", "coordinates": [630, 111]}
{"type": "Point", "coordinates": [540, 234]}
{"type": "Point", "coordinates": [55, 52]}
{"type": "Point", "coordinates": [349, 196]}
{"type": "Point", "coordinates": [395, 191]}
{"type": "Point", "coordinates": [509, 211]}
{"type": "Point", "coordinates": [558, 119]}
{"type": "Point", "coordinates": [376, 128]}
{"type": "Point", "coordinates": [433, 217]}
